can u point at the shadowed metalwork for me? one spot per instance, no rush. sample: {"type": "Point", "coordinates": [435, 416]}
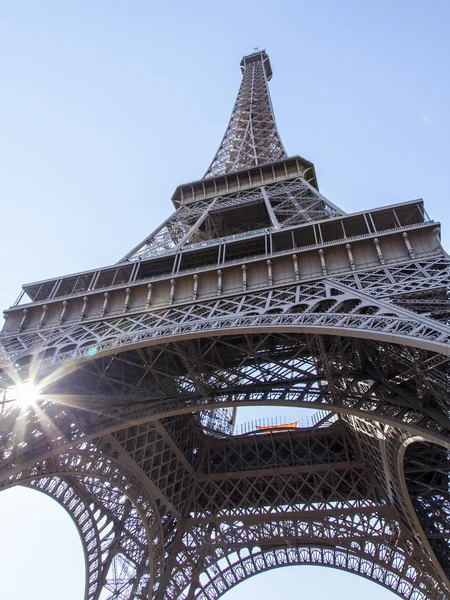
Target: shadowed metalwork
{"type": "Point", "coordinates": [256, 291]}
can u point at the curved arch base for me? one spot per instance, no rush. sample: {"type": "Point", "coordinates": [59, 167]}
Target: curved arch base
{"type": "Point", "coordinates": [117, 520]}
{"type": "Point", "coordinates": [239, 569]}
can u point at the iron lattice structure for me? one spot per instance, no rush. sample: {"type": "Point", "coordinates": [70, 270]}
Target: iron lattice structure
{"type": "Point", "coordinates": [256, 291]}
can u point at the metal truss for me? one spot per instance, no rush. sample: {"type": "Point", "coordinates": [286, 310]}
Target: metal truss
{"type": "Point", "coordinates": [111, 531]}
{"type": "Point", "coordinates": [294, 498]}
{"type": "Point", "coordinates": [357, 541]}
{"type": "Point", "coordinates": [133, 433]}
{"type": "Point", "coordinates": [197, 225]}
{"type": "Point", "coordinates": [251, 137]}
{"type": "Point", "coordinates": [414, 474]}
{"type": "Point", "coordinates": [346, 376]}
{"type": "Point", "coordinates": [426, 468]}
{"type": "Point", "coordinates": [117, 518]}
{"type": "Point", "coordinates": [351, 303]}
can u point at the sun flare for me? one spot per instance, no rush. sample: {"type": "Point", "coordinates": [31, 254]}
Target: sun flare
{"type": "Point", "coordinates": [25, 393]}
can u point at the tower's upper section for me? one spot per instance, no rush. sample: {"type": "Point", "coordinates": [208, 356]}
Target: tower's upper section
{"type": "Point", "coordinates": [251, 137]}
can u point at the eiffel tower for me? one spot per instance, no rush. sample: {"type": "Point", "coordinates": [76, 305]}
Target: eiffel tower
{"type": "Point", "coordinates": [120, 385]}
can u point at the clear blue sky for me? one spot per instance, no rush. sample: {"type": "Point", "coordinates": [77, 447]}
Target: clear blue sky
{"type": "Point", "coordinates": [105, 107]}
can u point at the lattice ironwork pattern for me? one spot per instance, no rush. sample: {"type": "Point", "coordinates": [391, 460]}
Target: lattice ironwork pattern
{"type": "Point", "coordinates": [251, 137]}
{"type": "Point", "coordinates": [257, 291]}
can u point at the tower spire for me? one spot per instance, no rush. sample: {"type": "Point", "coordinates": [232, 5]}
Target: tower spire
{"type": "Point", "coordinates": [251, 137]}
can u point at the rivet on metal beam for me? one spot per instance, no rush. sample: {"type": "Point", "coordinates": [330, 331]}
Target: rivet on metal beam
{"type": "Point", "coordinates": [195, 291]}
{"type": "Point", "coordinates": [84, 307]}
{"type": "Point", "coordinates": [296, 271]}
{"type": "Point", "coordinates": [437, 234]}
{"type": "Point", "coordinates": [376, 242]}
{"type": "Point", "coordinates": [408, 245]}
{"type": "Point", "coordinates": [63, 314]}
{"type": "Point", "coordinates": [26, 312]}
{"type": "Point", "coordinates": [348, 247]}
{"type": "Point", "coordinates": [105, 303]}
{"type": "Point", "coordinates": [269, 272]}
{"type": "Point", "coordinates": [126, 304]}
{"type": "Point", "coordinates": [149, 295]}
{"type": "Point", "coordinates": [172, 291]}
{"type": "Point", "coordinates": [43, 315]}
{"type": "Point", "coordinates": [322, 262]}
{"type": "Point", "coordinates": [244, 278]}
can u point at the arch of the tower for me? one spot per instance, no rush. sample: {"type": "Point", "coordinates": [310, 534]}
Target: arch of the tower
{"type": "Point", "coordinates": [120, 526]}
{"type": "Point", "coordinates": [413, 473]}
{"type": "Point", "coordinates": [368, 539]}
{"type": "Point", "coordinates": [424, 468]}
{"type": "Point", "coordinates": [393, 381]}
{"type": "Point", "coordinates": [382, 381]}
{"type": "Point", "coordinates": [364, 543]}
{"type": "Point", "coordinates": [346, 316]}
{"type": "Point", "coordinates": [239, 566]}
{"type": "Point", "coordinates": [325, 307]}
{"type": "Point", "coordinates": [97, 496]}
